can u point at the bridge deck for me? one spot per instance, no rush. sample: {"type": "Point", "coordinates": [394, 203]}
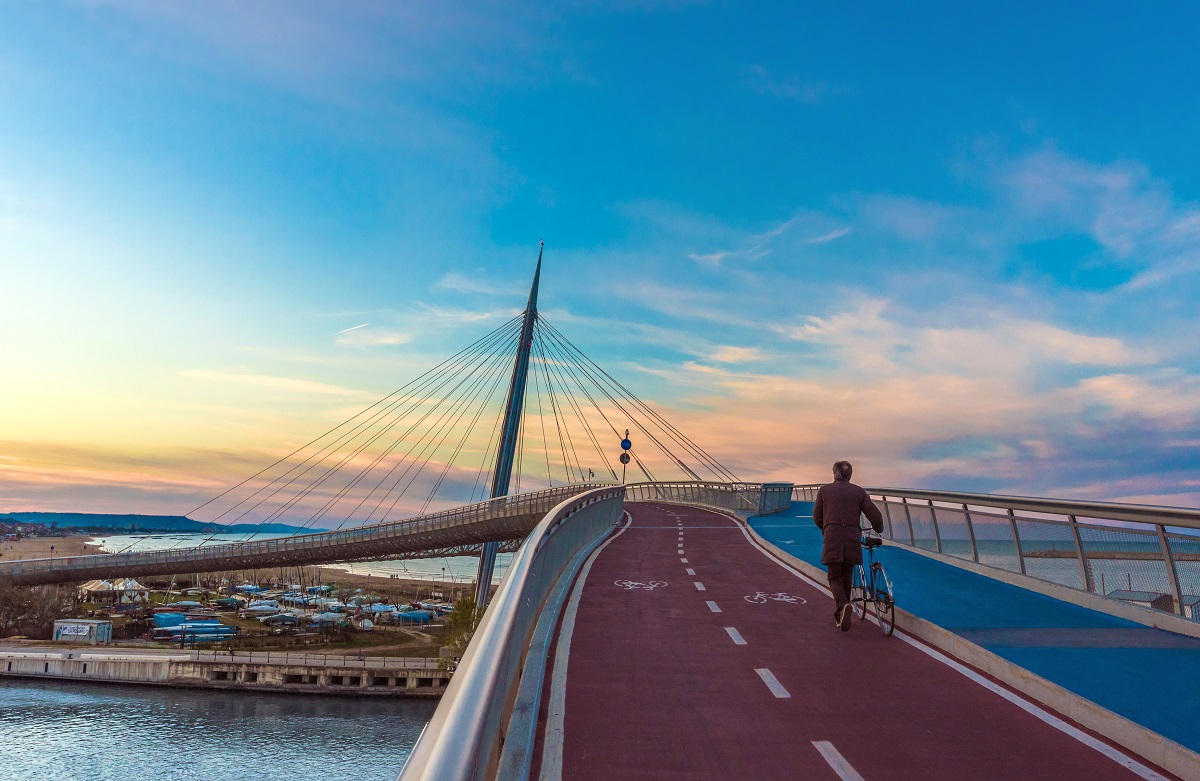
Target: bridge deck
{"type": "Point", "coordinates": [1129, 668]}
{"type": "Point", "coordinates": [660, 685]}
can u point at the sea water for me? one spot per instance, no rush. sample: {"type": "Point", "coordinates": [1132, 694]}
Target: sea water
{"type": "Point", "coordinates": [73, 731]}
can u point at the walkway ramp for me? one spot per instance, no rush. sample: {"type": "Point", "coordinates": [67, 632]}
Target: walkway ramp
{"type": "Point", "coordinates": [687, 651]}
{"type": "Point", "coordinates": [1130, 669]}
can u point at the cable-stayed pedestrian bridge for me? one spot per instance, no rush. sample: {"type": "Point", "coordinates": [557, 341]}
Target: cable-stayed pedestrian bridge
{"type": "Point", "coordinates": [506, 520]}
{"type": "Point", "coordinates": [649, 633]}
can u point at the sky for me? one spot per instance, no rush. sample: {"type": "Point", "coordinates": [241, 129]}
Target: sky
{"type": "Point", "coordinates": [955, 244]}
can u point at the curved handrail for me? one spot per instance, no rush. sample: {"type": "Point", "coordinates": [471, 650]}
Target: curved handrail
{"type": "Point", "coordinates": [753, 498]}
{"type": "Point", "coordinates": [1143, 554]}
{"type": "Point", "coordinates": [1115, 511]}
{"type": "Point", "coordinates": [462, 741]}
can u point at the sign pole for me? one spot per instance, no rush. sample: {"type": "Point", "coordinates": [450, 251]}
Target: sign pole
{"type": "Point", "coordinates": [626, 445]}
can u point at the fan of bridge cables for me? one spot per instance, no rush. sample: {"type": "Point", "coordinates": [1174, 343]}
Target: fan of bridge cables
{"type": "Point", "coordinates": [431, 444]}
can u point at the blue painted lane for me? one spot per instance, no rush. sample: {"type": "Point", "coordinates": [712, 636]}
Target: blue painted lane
{"type": "Point", "coordinates": [1128, 668]}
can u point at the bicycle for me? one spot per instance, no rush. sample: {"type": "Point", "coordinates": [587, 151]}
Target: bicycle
{"type": "Point", "coordinates": [875, 589]}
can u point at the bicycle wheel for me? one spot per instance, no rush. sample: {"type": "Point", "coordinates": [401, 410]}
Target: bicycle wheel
{"type": "Point", "coordinates": [858, 592]}
{"type": "Point", "coordinates": [885, 604]}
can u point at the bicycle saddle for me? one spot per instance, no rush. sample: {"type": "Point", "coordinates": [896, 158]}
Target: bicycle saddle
{"type": "Point", "coordinates": [872, 542]}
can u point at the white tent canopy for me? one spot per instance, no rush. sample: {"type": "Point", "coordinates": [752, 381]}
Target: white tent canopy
{"type": "Point", "coordinates": [121, 589]}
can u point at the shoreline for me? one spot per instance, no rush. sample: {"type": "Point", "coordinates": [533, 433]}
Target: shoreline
{"type": "Point", "coordinates": [88, 544]}
{"type": "Point", "coordinates": [39, 547]}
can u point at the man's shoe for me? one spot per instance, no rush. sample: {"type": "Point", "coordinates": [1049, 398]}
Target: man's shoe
{"type": "Point", "coordinates": [844, 618]}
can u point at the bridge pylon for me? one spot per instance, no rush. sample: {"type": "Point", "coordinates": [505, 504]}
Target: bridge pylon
{"type": "Point", "coordinates": [510, 431]}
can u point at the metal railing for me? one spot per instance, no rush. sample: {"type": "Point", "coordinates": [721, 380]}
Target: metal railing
{"type": "Point", "coordinates": [318, 660]}
{"type": "Point", "coordinates": [505, 518]}
{"type": "Point", "coordinates": [752, 498]}
{"type": "Point", "coordinates": [1139, 554]}
{"type": "Point", "coordinates": [285, 658]}
{"type": "Point", "coordinates": [450, 532]}
{"type": "Point", "coordinates": [463, 740]}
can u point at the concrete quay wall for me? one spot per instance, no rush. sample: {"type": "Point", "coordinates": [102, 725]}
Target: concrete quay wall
{"type": "Point", "coordinates": [375, 681]}
{"type": "Point", "coordinates": [377, 676]}
{"type": "Point", "coordinates": [88, 667]}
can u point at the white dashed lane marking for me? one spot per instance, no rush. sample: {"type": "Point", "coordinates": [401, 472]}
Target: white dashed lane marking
{"type": "Point", "coordinates": [683, 561]}
{"type": "Point", "coordinates": [773, 683]}
{"type": "Point", "coordinates": [837, 761]}
{"type": "Point", "coordinates": [735, 636]}
{"type": "Point", "coordinates": [713, 606]}
{"type": "Point", "coordinates": [691, 571]}
{"type": "Point", "coordinates": [699, 586]}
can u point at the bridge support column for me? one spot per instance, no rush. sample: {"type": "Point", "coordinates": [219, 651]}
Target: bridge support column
{"type": "Point", "coordinates": [487, 564]}
{"type": "Point", "coordinates": [507, 449]}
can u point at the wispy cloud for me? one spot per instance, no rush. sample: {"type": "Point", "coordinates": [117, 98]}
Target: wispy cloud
{"type": "Point", "coordinates": [730, 354]}
{"type": "Point", "coordinates": [804, 229]}
{"type": "Point", "coordinates": [825, 238]}
{"type": "Point", "coordinates": [1126, 210]}
{"type": "Point", "coordinates": [869, 336]}
{"type": "Point", "coordinates": [687, 303]}
{"type": "Point", "coordinates": [760, 80]}
{"type": "Point", "coordinates": [286, 384]}
{"type": "Point", "coordinates": [117, 478]}
{"type": "Point", "coordinates": [320, 52]}
{"type": "Point", "coordinates": [375, 337]}
{"type": "Point", "coordinates": [709, 258]}
{"type": "Point", "coordinates": [457, 316]}
{"type": "Point", "coordinates": [476, 283]}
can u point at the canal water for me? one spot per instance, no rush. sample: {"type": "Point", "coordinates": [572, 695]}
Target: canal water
{"type": "Point", "coordinates": [55, 731]}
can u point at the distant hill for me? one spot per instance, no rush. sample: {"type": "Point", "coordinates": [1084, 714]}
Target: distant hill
{"type": "Point", "coordinates": [145, 523]}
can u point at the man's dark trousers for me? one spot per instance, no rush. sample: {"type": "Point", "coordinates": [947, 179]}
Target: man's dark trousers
{"type": "Point", "coordinates": [840, 573]}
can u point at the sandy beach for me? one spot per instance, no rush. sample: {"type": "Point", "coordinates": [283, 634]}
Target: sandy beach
{"type": "Point", "coordinates": [39, 548]}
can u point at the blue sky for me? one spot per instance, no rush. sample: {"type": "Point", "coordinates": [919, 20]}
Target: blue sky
{"type": "Point", "coordinates": [957, 244]}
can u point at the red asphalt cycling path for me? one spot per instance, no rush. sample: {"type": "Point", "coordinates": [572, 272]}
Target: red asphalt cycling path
{"type": "Point", "coordinates": [657, 688]}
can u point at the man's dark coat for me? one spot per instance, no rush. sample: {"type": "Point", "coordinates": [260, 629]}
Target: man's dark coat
{"type": "Point", "coordinates": [836, 513]}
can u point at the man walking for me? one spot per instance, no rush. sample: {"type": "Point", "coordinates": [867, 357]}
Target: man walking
{"type": "Point", "coordinates": [836, 513]}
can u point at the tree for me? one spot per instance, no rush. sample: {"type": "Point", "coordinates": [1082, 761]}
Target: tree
{"type": "Point", "coordinates": [47, 604]}
{"type": "Point", "coordinates": [460, 628]}
{"type": "Point", "coordinates": [14, 604]}
{"type": "Point", "coordinates": [31, 610]}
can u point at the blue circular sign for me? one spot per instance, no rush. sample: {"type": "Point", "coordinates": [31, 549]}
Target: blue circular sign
{"type": "Point", "coordinates": [626, 444]}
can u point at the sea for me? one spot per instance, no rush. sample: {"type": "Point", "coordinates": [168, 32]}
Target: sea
{"type": "Point", "coordinates": [1108, 574]}
{"type": "Point", "coordinates": [451, 570]}
{"type": "Point", "coordinates": [58, 731]}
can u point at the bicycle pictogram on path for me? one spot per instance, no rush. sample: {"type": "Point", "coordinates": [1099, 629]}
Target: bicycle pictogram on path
{"type": "Point", "coordinates": [762, 597]}
{"type": "Point", "coordinates": [635, 585]}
